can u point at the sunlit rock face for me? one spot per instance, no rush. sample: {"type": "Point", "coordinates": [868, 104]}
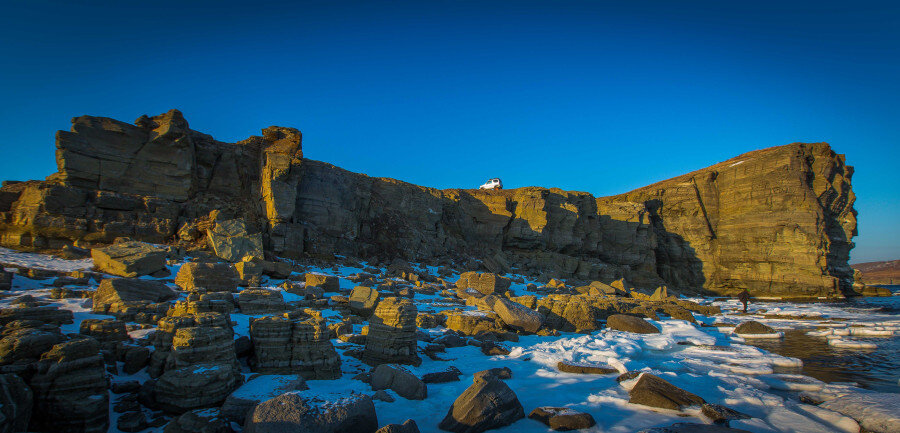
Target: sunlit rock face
{"type": "Point", "coordinates": [777, 221]}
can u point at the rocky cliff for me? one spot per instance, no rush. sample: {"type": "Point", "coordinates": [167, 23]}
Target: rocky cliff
{"type": "Point", "coordinates": [777, 221]}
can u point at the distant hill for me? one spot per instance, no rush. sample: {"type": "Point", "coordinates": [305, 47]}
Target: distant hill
{"type": "Point", "coordinates": [886, 272]}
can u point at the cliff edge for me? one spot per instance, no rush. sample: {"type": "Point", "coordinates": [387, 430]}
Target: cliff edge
{"type": "Point", "coordinates": [777, 221]}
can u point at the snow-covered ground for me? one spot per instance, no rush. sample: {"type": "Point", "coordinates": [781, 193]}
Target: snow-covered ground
{"type": "Point", "coordinates": [705, 359]}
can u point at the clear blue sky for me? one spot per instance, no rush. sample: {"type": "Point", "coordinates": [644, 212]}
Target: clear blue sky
{"type": "Point", "coordinates": [593, 96]}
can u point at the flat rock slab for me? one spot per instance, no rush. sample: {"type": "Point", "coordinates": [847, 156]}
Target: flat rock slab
{"type": "Point", "coordinates": [129, 259]}
{"type": "Point", "coordinates": [571, 367]}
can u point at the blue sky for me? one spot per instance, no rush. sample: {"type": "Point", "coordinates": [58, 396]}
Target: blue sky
{"type": "Point", "coordinates": [593, 96]}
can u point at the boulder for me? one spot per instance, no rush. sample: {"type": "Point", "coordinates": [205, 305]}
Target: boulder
{"type": "Point", "coordinates": [114, 295]}
{"type": "Point", "coordinates": [474, 323]}
{"type": "Point", "coordinates": [661, 294]}
{"type": "Point", "coordinates": [261, 301]}
{"type": "Point", "coordinates": [500, 373]}
{"type": "Point", "coordinates": [288, 346]}
{"type": "Point", "coordinates": [363, 301]}
{"type": "Point", "coordinates": [517, 316]}
{"type": "Point", "coordinates": [562, 418]}
{"type": "Point", "coordinates": [654, 391]}
{"type": "Point", "coordinates": [16, 400]}
{"type": "Point", "coordinates": [199, 421]}
{"type": "Point", "coordinates": [624, 322]}
{"type": "Point", "coordinates": [195, 386]}
{"type": "Point", "coordinates": [753, 327]}
{"type": "Point", "coordinates": [212, 277]}
{"type": "Point", "coordinates": [450, 374]}
{"type": "Point", "coordinates": [70, 389]}
{"type": "Point", "coordinates": [328, 283]}
{"type": "Point", "coordinates": [129, 259]}
{"type": "Point", "coordinates": [408, 426]}
{"type": "Point", "coordinates": [295, 412]}
{"type": "Point", "coordinates": [399, 380]}
{"type": "Point", "coordinates": [484, 282]}
{"type": "Point", "coordinates": [26, 345]}
{"type": "Point", "coordinates": [569, 313]}
{"type": "Point", "coordinates": [392, 333]}
{"type": "Point", "coordinates": [261, 388]}
{"type": "Point", "coordinates": [486, 405]}
{"type": "Point", "coordinates": [577, 368]}
{"type": "Point", "coordinates": [231, 242]}
{"type": "Point", "coordinates": [48, 314]}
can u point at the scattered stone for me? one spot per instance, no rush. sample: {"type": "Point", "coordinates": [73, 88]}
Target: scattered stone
{"type": "Point", "coordinates": [654, 391]}
{"type": "Point", "coordinates": [16, 401]}
{"type": "Point", "coordinates": [255, 391]}
{"type": "Point", "coordinates": [623, 322]}
{"type": "Point", "coordinates": [328, 283]}
{"type": "Point", "coordinates": [132, 422]}
{"type": "Point", "coordinates": [753, 327]}
{"type": "Point", "coordinates": [399, 380]}
{"type": "Point", "coordinates": [500, 373]}
{"type": "Point", "coordinates": [70, 389]}
{"type": "Point", "coordinates": [383, 396]}
{"type": "Point", "coordinates": [195, 386]}
{"type": "Point", "coordinates": [562, 418]}
{"type": "Point", "coordinates": [363, 301]}
{"type": "Point", "coordinates": [321, 413]}
{"type": "Point", "coordinates": [517, 316]}
{"type": "Point", "coordinates": [721, 414]}
{"type": "Point", "coordinates": [286, 346]}
{"type": "Point", "coordinates": [392, 333]}
{"type": "Point", "coordinates": [199, 421]}
{"type": "Point", "coordinates": [212, 277]}
{"type": "Point", "coordinates": [408, 426]}
{"type": "Point", "coordinates": [484, 283]}
{"type": "Point", "coordinates": [261, 301]}
{"type": "Point", "coordinates": [129, 259]}
{"type": "Point", "coordinates": [572, 367]}
{"type": "Point", "coordinates": [451, 374]}
{"type": "Point", "coordinates": [119, 296]}
{"type": "Point", "coordinates": [486, 405]}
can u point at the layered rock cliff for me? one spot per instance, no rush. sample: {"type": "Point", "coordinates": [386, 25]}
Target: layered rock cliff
{"type": "Point", "coordinates": [777, 221]}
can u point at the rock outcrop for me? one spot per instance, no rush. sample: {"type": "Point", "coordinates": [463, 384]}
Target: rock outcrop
{"type": "Point", "coordinates": [70, 389]}
{"type": "Point", "coordinates": [283, 346]}
{"type": "Point", "coordinates": [777, 221]}
{"type": "Point", "coordinates": [392, 333]}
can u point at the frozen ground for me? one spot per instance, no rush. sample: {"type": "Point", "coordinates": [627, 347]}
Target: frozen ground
{"type": "Point", "coordinates": [706, 359]}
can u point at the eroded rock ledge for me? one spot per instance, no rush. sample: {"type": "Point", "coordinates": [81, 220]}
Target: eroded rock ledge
{"type": "Point", "coordinates": [778, 221]}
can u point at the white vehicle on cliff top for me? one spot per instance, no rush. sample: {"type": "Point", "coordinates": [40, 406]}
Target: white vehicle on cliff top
{"type": "Point", "coordinates": [494, 183]}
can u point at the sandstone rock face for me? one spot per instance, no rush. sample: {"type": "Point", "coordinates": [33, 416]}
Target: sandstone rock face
{"type": "Point", "coordinates": [327, 413]}
{"type": "Point", "coordinates": [230, 241]}
{"type": "Point", "coordinates": [261, 301]}
{"type": "Point", "coordinates": [69, 388]}
{"type": "Point", "coordinates": [392, 333]}
{"type": "Point", "coordinates": [284, 346]}
{"type": "Point", "coordinates": [129, 259]}
{"type": "Point", "coordinates": [195, 386]}
{"type": "Point", "coordinates": [562, 418]}
{"type": "Point", "coordinates": [777, 221]}
{"type": "Point", "coordinates": [213, 277]}
{"type": "Point", "coordinates": [486, 405]}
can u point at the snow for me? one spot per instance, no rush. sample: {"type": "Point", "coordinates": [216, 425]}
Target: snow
{"type": "Point", "coordinates": [43, 261]}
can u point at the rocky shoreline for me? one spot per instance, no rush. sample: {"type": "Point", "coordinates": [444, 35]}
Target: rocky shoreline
{"type": "Point", "coordinates": [343, 345]}
{"type": "Point", "coordinates": [210, 287]}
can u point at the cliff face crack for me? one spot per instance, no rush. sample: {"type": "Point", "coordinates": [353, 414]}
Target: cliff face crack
{"type": "Point", "coordinates": [712, 233]}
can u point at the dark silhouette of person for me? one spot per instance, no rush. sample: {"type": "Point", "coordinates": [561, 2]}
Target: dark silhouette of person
{"type": "Point", "coordinates": [744, 297]}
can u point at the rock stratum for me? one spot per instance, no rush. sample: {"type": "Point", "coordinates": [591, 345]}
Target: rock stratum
{"type": "Point", "coordinates": [777, 221]}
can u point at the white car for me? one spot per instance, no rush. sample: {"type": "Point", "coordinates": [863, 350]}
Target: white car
{"type": "Point", "coordinates": [494, 183]}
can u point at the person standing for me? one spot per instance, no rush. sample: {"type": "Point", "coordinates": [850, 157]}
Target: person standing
{"type": "Point", "coordinates": [744, 297]}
